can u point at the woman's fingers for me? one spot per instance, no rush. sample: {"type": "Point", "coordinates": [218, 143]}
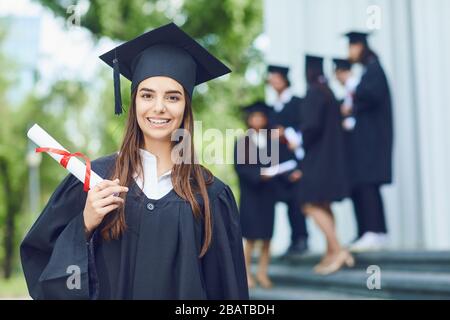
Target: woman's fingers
{"type": "Point", "coordinates": [104, 184]}
{"type": "Point", "coordinates": [109, 191]}
{"type": "Point", "coordinates": [101, 201]}
{"type": "Point", "coordinates": [107, 201]}
{"type": "Point", "coordinates": [105, 210]}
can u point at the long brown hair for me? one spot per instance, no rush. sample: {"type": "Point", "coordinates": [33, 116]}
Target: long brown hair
{"type": "Point", "coordinates": [367, 55]}
{"type": "Point", "coordinates": [188, 178]}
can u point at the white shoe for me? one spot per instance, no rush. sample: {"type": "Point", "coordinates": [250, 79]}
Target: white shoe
{"type": "Point", "coordinates": [370, 241]}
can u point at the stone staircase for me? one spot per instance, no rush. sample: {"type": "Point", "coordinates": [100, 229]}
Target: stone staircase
{"type": "Point", "coordinates": [403, 275]}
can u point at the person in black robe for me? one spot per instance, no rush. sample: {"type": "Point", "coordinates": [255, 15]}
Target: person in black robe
{"type": "Point", "coordinates": [257, 201]}
{"type": "Point", "coordinates": [324, 177]}
{"type": "Point", "coordinates": [185, 244]}
{"type": "Point", "coordinates": [370, 151]}
{"type": "Point", "coordinates": [286, 117]}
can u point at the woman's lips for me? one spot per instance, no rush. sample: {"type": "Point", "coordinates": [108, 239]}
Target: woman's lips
{"type": "Point", "coordinates": [158, 122]}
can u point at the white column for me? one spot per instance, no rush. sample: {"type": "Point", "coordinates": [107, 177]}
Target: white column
{"type": "Point", "coordinates": [432, 50]}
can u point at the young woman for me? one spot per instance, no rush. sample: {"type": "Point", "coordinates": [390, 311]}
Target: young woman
{"type": "Point", "coordinates": [370, 146]}
{"type": "Point", "coordinates": [159, 226]}
{"type": "Point", "coordinates": [257, 201]}
{"type": "Point", "coordinates": [324, 176]}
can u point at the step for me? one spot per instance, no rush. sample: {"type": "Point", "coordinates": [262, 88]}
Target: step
{"type": "Point", "coordinates": [292, 293]}
{"type": "Point", "coordinates": [394, 284]}
{"type": "Point", "coordinates": [433, 261]}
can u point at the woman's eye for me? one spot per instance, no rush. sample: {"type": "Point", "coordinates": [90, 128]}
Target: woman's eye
{"type": "Point", "coordinates": [173, 98]}
{"type": "Point", "coordinates": [146, 96]}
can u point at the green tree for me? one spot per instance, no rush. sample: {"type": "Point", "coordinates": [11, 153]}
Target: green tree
{"type": "Point", "coordinates": [14, 123]}
{"type": "Point", "coordinates": [8, 172]}
{"type": "Point", "coordinates": [15, 118]}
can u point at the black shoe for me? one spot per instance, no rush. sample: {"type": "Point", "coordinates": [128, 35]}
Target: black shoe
{"type": "Point", "coordinates": [296, 249]}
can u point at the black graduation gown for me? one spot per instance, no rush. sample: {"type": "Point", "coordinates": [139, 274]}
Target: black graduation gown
{"type": "Point", "coordinates": [289, 116]}
{"type": "Point", "coordinates": [370, 143]}
{"type": "Point", "coordinates": [156, 258]}
{"type": "Point", "coordinates": [324, 166]}
{"type": "Point", "coordinates": [257, 200]}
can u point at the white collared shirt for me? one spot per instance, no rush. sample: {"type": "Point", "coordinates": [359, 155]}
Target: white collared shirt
{"type": "Point", "coordinates": [282, 99]}
{"type": "Point", "coordinates": [152, 186]}
{"type": "Point", "coordinates": [292, 135]}
{"type": "Point", "coordinates": [350, 87]}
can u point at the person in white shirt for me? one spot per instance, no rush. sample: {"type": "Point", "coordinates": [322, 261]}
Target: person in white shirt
{"type": "Point", "coordinates": [344, 75]}
{"type": "Point", "coordinates": [370, 145]}
{"type": "Point", "coordinates": [286, 117]}
{"type": "Point", "coordinates": [159, 226]}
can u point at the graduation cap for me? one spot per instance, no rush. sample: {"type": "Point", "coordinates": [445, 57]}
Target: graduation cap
{"type": "Point", "coordinates": [314, 63]}
{"type": "Point", "coordinates": [357, 37]}
{"type": "Point", "coordinates": [342, 64]}
{"type": "Point", "coordinates": [258, 106]}
{"type": "Point", "coordinates": [165, 51]}
{"type": "Point", "coordinates": [278, 69]}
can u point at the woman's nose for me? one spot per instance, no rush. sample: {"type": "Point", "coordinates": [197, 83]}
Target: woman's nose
{"type": "Point", "coordinates": [159, 106]}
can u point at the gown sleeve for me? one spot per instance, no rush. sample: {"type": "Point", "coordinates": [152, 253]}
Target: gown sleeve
{"type": "Point", "coordinates": [55, 254]}
{"type": "Point", "coordinates": [223, 264]}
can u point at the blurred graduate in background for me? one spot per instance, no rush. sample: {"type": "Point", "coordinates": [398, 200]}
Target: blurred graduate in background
{"type": "Point", "coordinates": [370, 145]}
{"type": "Point", "coordinates": [325, 176]}
{"type": "Point", "coordinates": [257, 201]}
{"type": "Point", "coordinates": [344, 75]}
{"type": "Point", "coordinates": [286, 116]}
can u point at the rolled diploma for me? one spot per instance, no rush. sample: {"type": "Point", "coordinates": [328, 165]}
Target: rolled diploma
{"type": "Point", "coordinates": [76, 167]}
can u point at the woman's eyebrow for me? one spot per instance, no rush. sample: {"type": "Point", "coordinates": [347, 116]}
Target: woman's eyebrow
{"type": "Point", "coordinates": [146, 89]}
{"type": "Point", "coordinates": [173, 91]}
{"type": "Point", "coordinates": [167, 92]}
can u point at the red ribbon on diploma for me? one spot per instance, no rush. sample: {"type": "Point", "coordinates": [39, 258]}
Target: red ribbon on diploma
{"type": "Point", "coordinates": [65, 160]}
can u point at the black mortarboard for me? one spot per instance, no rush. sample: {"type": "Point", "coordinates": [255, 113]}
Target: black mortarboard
{"type": "Point", "coordinates": [258, 106]}
{"type": "Point", "coordinates": [357, 37]}
{"type": "Point", "coordinates": [164, 51]}
{"type": "Point", "coordinates": [314, 63]}
{"type": "Point", "coordinates": [342, 64]}
{"type": "Point", "coordinates": [278, 69]}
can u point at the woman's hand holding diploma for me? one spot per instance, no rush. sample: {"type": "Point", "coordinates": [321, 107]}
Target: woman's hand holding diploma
{"type": "Point", "coordinates": [101, 200]}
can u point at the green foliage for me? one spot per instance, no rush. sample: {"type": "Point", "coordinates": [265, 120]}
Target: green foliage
{"type": "Point", "coordinates": [13, 288]}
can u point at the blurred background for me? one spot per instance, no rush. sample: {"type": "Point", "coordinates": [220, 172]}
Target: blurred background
{"type": "Point", "coordinates": [51, 75]}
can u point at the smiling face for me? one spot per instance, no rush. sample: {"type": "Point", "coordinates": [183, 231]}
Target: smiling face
{"type": "Point", "coordinates": [160, 104]}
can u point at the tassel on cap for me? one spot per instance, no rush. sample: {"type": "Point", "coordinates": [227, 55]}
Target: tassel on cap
{"type": "Point", "coordinates": [117, 93]}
